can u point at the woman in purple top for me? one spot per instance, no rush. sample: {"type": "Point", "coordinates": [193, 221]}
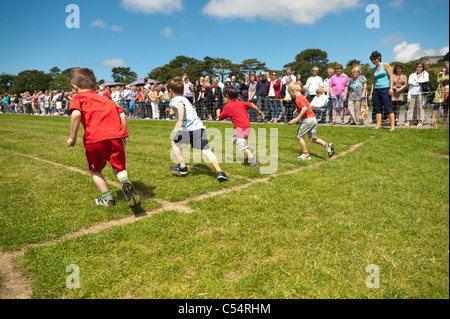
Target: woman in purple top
{"type": "Point", "coordinates": [336, 89]}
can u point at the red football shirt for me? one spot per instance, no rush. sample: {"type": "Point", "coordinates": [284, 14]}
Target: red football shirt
{"type": "Point", "coordinates": [99, 116]}
{"type": "Point", "coordinates": [237, 112]}
{"type": "Point", "coordinates": [301, 102]}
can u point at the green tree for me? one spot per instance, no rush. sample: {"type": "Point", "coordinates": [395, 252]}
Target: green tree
{"type": "Point", "coordinates": [307, 59]}
{"type": "Point", "coordinates": [6, 82]}
{"type": "Point", "coordinates": [123, 75]}
{"type": "Point", "coordinates": [54, 72]}
{"type": "Point", "coordinates": [253, 65]}
{"type": "Point", "coordinates": [30, 80]}
{"type": "Point", "coordinates": [179, 66]}
{"type": "Point", "coordinates": [61, 82]}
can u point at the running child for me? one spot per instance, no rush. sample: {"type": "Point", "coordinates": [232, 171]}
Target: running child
{"type": "Point", "coordinates": [308, 125]}
{"type": "Point", "coordinates": [188, 130]}
{"type": "Point", "coordinates": [237, 112]}
{"type": "Point", "coordinates": [105, 136]}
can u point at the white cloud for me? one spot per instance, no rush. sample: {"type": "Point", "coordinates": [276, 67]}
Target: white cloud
{"type": "Point", "coordinates": [405, 52]}
{"type": "Point", "coordinates": [113, 63]}
{"type": "Point", "coordinates": [167, 32]}
{"type": "Point", "coordinates": [397, 4]}
{"type": "Point", "coordinates": [101, 24]}
{"type": "Point", "coordinates": [298, 11]}
{"type": "Point", "coordinates": [394, 39]}
{"type": "Point", "coordinates": [152, 6]}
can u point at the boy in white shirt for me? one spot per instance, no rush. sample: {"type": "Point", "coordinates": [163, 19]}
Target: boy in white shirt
{"type": "Point", "coordinates": [188, 130]}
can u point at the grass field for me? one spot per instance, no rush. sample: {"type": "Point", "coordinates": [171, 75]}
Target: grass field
{"type": "Point", "coordinates": [307, 231]}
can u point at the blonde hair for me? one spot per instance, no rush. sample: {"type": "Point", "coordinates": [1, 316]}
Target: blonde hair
{"type": "Point", "coordinates": [320, 90]}
{"type": "Point", "coordinates": [295, 87]}
{"type": "Point", "coordinates": [356, 69]}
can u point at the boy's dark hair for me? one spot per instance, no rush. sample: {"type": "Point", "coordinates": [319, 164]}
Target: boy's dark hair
{"type": "Point", "coordinates": [176, 85]}
{"type": "Point", "coordinates": [231, 92]}
{"type": "Point", "coordinates": [84, 78]}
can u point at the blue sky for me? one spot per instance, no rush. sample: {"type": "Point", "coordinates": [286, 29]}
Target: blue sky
{"type": "Point", "coordinates": [145, 34]}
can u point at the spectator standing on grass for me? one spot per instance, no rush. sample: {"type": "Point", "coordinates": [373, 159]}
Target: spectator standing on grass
{"type": "Point", "coordinates": [355, 90]}
{"type": "Point", "coordinates": [244, 88]}
{"type": "Point", "coordinates": [336, 88]}
{"type": "Point", "coordinates": [134, 98]}
{"type": "Point", "coordinates": [274, 88]}
{"type": "Point", "coordinates": [326, 86]}
{"type": "Point", "coordinates": [262, 96]}
{"type": "Point", "coordinates": [208, 102]}
{"type": "Point", "coordinates": [188, 89]}
{"type": "Point", "coordinates": [313, 83]}
{"type": "Point", "coordinates": [108, 93]}
{"type": "Point", "coordinates": [253, 72]}
{"type": "Point", "coordinates": [400, 85]}
{"type": "Point", "coordinates": [218, 98]}
{"type": "Point", "coordinates": [235, 84]}
{"type": "Point", "coordinates": [154, 97]}
{"type": "Point", "coordinates": [288, 75]}
{"type": "Point", "coordinates": [126, 97]}
{"type": "Point", "coordinates": [416, 95]}
{"type": "Point", "coordinates": [6, 102]}
{"type": "Point", "coordinates": [441, 98]}
{"type": "Point", "coordinates": [252, 97]}
{"type": "Point", "coordinates": [382, 90]}
{"type": "Point", "coordinates": [287, 99]}
{"type": "Point", "coordinates": [41, 102]}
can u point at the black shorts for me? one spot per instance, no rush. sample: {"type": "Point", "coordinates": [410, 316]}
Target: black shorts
{"type": "Point", "coordinates": [197, 139]}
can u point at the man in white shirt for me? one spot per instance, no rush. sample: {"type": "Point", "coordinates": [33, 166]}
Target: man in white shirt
{"type": "Point", "coordinates": [289, 74]}
{"type": "Point", "coordinates": [314, 83]}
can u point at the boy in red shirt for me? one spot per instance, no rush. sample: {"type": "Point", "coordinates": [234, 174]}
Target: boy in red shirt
{"type": "Point", "coordinates": [104, 139]}
{"type": "Point", "coordinates": [308, 125]}
{"type": "Point", "coordinates": [237, 112]}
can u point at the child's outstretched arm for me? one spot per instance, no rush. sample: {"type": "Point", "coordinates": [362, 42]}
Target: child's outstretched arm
{"type": "Point", "coordinates": [75, 125]}
{"type": "Point", "coordinates": [257, 110]}
{"type": "Point", "coordinates": [302, 113]}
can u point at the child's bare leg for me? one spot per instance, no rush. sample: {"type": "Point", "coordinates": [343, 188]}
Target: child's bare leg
{"type": "Point", "coordinates": [320, 142]}
{"type": "Point", "coordinates": [303, 146]}
{"type": "Point", "coordinates": [120, 175]}
{"type": "Point", "coordinates": [248, 153]}
{"type": "Point", "coordinates": [212, 159]}
{"type": "Point", "coordinates": [179, 154]}
{"type": "Point", "coordinates": [100, 181]}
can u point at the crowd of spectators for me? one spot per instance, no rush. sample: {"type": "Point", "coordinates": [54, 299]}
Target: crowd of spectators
{"type": "Point", "coordinates": [338, 94]}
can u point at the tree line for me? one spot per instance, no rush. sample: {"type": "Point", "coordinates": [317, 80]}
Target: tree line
{"type": "Point", "coordinates": [55, 79]}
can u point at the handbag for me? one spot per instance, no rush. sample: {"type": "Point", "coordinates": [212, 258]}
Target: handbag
{"type": "Point", "coordinates": [364, 112]}
{"type": "Point", "coordinates": [426, 87]}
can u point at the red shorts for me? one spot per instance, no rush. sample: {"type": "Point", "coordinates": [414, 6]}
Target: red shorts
{"type": "Point", "coordinates": [111, 151]}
